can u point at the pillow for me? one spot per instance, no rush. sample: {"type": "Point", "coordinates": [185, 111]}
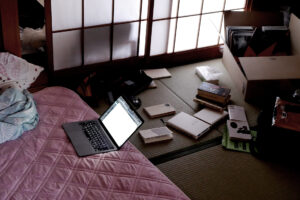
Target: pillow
{"type": "Point", "coordinates": [17, 72]}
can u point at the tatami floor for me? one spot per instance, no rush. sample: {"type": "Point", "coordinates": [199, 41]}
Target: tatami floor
{"type": "Point", "coordinates": [202, 168]}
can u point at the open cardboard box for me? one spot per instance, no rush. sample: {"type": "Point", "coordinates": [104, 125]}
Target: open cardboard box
{"type": "Point", "coordinates": [259, 77]}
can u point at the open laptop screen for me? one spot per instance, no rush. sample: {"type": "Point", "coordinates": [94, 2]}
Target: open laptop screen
{"type": "Point", "coordinates": [120, 121]}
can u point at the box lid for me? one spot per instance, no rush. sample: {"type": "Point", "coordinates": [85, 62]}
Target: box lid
{"type": "Point", "coordinates": [271, 68]}
{"type": "Point", "coordinates": [295, 32]}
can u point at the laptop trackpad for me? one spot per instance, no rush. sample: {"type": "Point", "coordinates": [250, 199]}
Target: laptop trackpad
{"type": "Point", "coordinates": [78, 139]}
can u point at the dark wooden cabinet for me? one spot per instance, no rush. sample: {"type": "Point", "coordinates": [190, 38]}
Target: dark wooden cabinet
{"type": "Point", "coordinates": [10, 26]}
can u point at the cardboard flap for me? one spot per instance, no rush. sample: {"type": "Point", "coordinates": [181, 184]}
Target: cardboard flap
{"type": "Point", "coordinates": [234, 69]}
{"type": "Point", "coordinates": [271, 68]}
{"type": "Point", "coordinates": [295, 32]}
{"type": "Point", "coordinates": [253, 18]}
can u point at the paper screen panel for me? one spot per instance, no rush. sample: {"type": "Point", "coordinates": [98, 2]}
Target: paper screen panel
{"type": "Point", "coordinates": [125, 40]}
{"type": "Point", "coordinates": [171, 35]}
{"type": "Point", "coordinates": [190, 7]}
{"type": "Point", "coordinates": [96, 45]}
{"type": "Point", "coordinates": [66, 49]}
{"type": "Point", "coordinates": [222, 37]}
{"type": "Point", "coordinates": [162, 9]}
{"type": "Point", "coordinates": [66, 14]}
{"type": "Point", "coordinates": [159, 37]}
{"type": "Point", "coordinates": [174, 8]}
{"type": "Point", "coordinates": [212, 6]}
{"type": "Point", "coordinates": [210, 26]}
{"type": "Point", "coordinates": [126, 10]}
{"type": "Point", "coordinates": [145, 9]}
{"type": "Point", "coordinates": [187, 32]}
{"type": "Point", "coordinates": [143, 38]}
{"type": "Point", "coordinates": [234, 4]}
{"type": "Point", "coordinates": [97, 12]}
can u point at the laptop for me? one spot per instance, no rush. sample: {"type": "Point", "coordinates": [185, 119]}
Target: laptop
{"type": "Point", "coordinates": [108, 133]}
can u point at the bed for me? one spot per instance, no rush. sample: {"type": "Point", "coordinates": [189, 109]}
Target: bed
{"type": "Point", "coordinates": [42, 163]}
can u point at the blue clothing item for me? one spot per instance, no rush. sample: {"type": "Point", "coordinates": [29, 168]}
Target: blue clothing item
{"type": "Point", "coordinates": [18, 114]}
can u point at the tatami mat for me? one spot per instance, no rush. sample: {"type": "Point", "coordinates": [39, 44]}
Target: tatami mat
{"type": "Point", "coordinates": [216, 173]}
{"type": "Point", "coordinates": [184, 83]}
{"type": "Point", "coordinates": [179, 91]}
{"type": "Point", "coordinates": [202, 168]}
{"type": "Point", "coordinates": [180, 142]}
{"type": "Point", "coordinates": [160, 95]}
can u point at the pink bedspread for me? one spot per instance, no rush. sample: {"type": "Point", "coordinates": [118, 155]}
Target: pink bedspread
{"type": "Point", "coordinates": [42, 164]}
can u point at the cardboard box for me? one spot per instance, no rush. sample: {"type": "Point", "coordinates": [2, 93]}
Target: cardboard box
{"type": "Point", "coordinates": [259, 77]}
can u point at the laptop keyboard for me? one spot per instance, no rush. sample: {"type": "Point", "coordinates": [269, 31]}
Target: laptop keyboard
{"type": "Point", "coordinates": [96, 136]}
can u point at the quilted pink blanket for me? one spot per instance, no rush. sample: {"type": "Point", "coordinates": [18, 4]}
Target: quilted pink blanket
{"type": "Point", "coordinates": [42, 164]}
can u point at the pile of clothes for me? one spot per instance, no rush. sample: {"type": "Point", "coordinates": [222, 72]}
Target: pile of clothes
{"type": "Point", "coordinates": [18, 114]}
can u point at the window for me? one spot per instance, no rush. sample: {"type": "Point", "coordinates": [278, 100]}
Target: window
{"type": "Point", "coordinates": [180, 25]}
{"type": "Point", "coordinates": [82, 33]}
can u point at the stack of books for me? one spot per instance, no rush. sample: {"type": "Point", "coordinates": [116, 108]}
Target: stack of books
{"type": "Point", "coordinates": [213, 96]}
{"type": "Point", "coordinates": [237, 135]}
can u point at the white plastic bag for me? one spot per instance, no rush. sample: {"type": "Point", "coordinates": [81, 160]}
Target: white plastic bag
{"type": "Point", "coordinates": [208, 74]}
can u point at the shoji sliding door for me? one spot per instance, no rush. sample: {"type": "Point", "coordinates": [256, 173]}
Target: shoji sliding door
{"type": "Point", "coordinates": [83, 33]}
{"type": "Point", "coordinates": [86, 32]}
{"type": "Point", "coordinates": [181, 25]}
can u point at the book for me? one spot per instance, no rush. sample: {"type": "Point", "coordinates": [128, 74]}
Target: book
{"type": "Point", "coordinates": [237, 113]}
{"type": "Point", "coordinates": [210, 116]}
{"type": "Point", "coordinates": [214, 92]}
{"type": "Point", "coordinates": [239, 42]}
{"type": "Point", "coordinates": [220, 103]}
{"type": "Point", "coordinates": [238, 130]}
{"type": "Point", "coordinates": [157, 73]}
{"type": "Point", "coordinates": [238, 38]}
{"type": "Point", "coordinates": [189, 125]}
{"type": "Point", "coordinates": [159, 110]}
{"type": "Point", "coordinates": [212, 89]}
{"type": "Point", "coordinates": [241, 29]}
{"type": "Point", "coordinates": [209, 104]}
{"type": "Point", "coordinates": [156, 134]}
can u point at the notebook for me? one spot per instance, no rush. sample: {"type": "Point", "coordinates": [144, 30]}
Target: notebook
{"type": "Point", "coordinates": [210, 116]}
{"type": "Point", "coordinates": [156, 134]}
{"type": "Point", "coordinates": [159, 110]}
{"type": "Point", "coordinates": [188, 124]}
{"type": "Point", "coordinates": [108, 133]}
{"type": "Point", "coordinates": [238, 130]}
{"type": "Point", "coordinates": [158, 73]}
